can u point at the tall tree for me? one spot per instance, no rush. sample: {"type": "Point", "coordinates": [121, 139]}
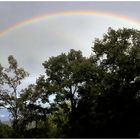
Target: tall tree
{"type": "Point", "coordinates": [61, 78]}
{"type": "Point", "coordinates": [11, 78]}
{"type": "Point", "coordinates": [118, 54]}
{"type": "Point", "coordinates": [110, 108]}
{"type": "Point", "coordinates": [34, 108]}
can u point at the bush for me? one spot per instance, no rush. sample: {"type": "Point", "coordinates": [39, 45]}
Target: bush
{"type": "Point", "coordinates": [5, 131]}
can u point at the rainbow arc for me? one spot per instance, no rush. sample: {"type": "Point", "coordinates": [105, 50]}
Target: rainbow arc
{"type": "Point", "coordinates": [66, 13]}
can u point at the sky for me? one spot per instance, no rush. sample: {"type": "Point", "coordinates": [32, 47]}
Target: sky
{"type": "Point", "coordinates": [34, 41]}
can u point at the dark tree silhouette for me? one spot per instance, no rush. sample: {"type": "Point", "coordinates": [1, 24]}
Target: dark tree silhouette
{"type": "Point", "coordinates": [114, 111]}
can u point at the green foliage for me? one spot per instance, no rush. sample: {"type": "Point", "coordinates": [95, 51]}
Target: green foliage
{"type": "Point", "coordinates": [114, 111]}
{"type": "Point", "coordinates": [95, 97]}
{"type": "Point", "coordinates": [5, 131]}
{"type": "Point", "coordinates": [35, 133]}
{"type": "Point", "coordinates": [62, 78]}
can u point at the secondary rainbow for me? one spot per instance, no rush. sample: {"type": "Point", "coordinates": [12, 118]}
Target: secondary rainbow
{"type": "Point", "coordinates": [66, 13]}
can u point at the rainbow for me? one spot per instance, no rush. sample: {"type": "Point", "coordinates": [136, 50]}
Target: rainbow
{"type": "Point", "coordinates": [66, 13]}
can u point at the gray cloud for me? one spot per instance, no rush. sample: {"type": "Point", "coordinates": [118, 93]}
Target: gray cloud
{"type": "Point", "coordinates": [34, 43]}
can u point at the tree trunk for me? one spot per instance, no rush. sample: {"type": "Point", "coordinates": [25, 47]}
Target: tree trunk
{"type": "Point", "coordinates": [72, 100]}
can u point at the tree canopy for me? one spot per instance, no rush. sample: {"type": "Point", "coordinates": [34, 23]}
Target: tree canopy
{"type": "Point", "coordinates": [95, 96]}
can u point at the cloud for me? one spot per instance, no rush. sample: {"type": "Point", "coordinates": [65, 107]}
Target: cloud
{"type": "Point", "coordinates": [2, 116]}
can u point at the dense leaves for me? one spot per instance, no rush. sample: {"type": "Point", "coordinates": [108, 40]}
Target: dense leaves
{"type": "Point", "coordinates": [114, 111]}
{"type": "Point", "coordinates": [78, 97]}
{"type": "Point", "coordinates": [5, 131]}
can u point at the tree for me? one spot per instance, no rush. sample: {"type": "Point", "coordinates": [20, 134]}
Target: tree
{"type": "Point", "coordinates": [118, 54]}
{"type": "Point", "coordinates": [66, 75]}
{"type": "Point", "coordinates": [110, 108]}
{"type": "Point", "coordinates": [61, 78]}
{"type": "Point", "coordinates": [11, 78]}
{"type": "Point", "coordinates": [5, 131]}
{"type": "Point", "coordinates": [34, 110]}
{"type": "Point", "coordinates": [95, 97]}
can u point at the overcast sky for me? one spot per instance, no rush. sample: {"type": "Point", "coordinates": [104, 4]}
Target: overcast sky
{"type": "Point", "coordinates": [34, 43]}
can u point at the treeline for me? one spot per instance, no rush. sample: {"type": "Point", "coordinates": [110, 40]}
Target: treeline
{"type": "Point", "coordinates": [94, 97]}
